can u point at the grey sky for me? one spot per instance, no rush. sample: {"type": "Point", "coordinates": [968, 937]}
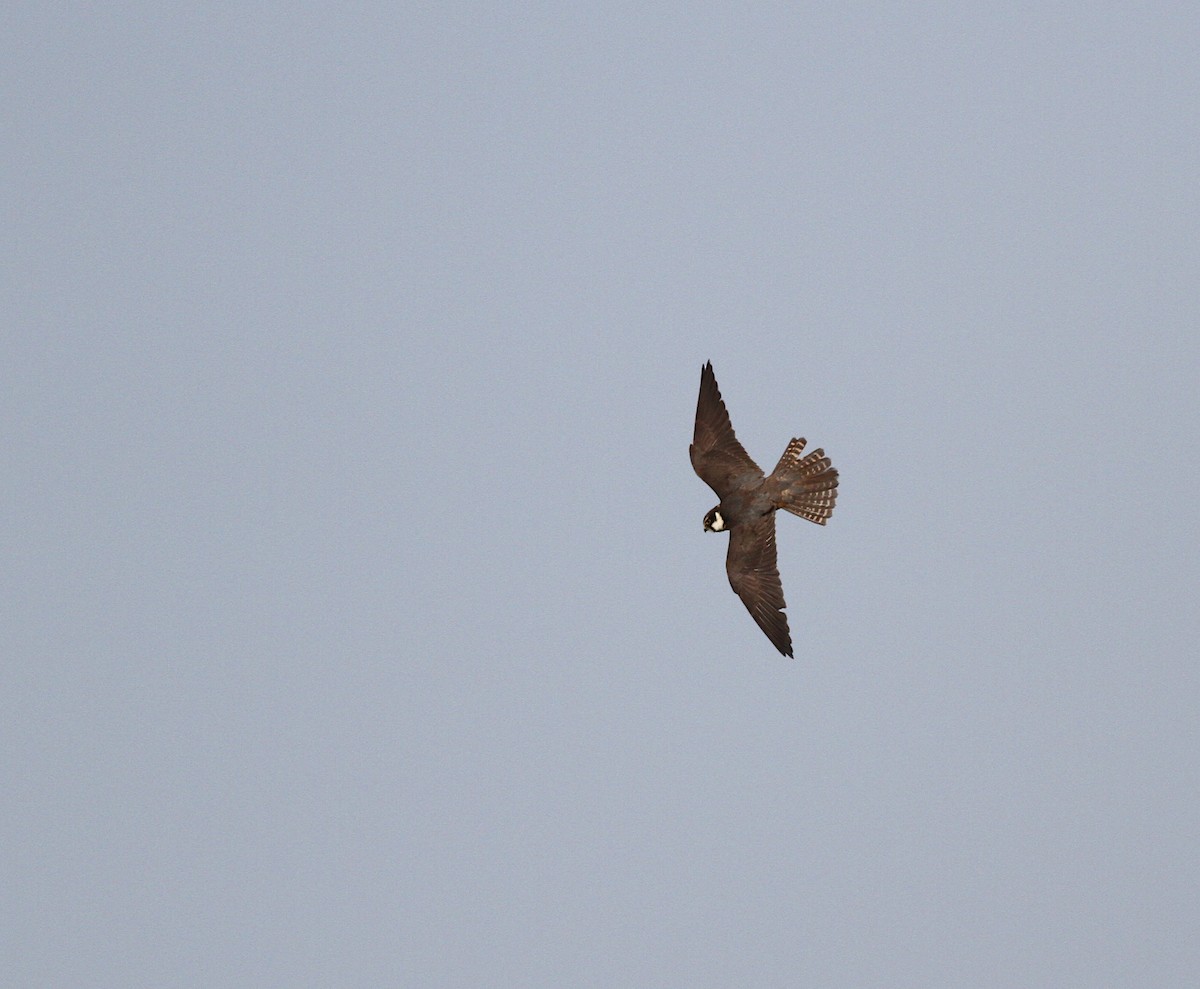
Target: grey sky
{"type": "Point", "coordinates": [358, 625]}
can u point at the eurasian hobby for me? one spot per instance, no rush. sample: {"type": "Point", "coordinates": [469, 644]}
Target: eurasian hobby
{"type": "Point", "coordinates": [804, 486]}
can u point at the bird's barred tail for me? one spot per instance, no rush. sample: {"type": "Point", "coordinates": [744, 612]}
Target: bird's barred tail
{"type": "Point", "coordinates": [807, 485]}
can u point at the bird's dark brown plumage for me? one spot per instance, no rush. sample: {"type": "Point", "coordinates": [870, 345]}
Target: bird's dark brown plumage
{"type": "Point", "coordinates": [803, 485]}
{"type": "Point", "coordinates": [717, 456]}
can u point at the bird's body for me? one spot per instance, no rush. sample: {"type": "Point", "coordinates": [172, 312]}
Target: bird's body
{"type": "Point", "coordinates": [803, 485]}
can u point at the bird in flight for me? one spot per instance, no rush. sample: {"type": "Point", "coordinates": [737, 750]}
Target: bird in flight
{"type": "Point", "coordinates": [804, 486]}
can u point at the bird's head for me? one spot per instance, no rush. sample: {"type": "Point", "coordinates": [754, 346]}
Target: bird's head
{"type": "Point", "coordinates": [713, 521]}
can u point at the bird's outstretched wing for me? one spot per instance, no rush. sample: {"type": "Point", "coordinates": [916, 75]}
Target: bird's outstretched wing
{"type": "Point", "coordinates": [754, 577]}
{"type": "Point", "coordinates": [717, 456]}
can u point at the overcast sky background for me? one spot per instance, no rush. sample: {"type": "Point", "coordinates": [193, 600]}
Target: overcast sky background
{"type": "Point", "coordinates": [358, 624]}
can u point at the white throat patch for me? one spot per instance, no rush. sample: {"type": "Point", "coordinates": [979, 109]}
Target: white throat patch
{"type": "Point", "coordinates": [718, 523]}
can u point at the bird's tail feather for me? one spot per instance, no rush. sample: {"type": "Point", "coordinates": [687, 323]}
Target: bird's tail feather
{"type": "Point", "coordinates": [807, 486]}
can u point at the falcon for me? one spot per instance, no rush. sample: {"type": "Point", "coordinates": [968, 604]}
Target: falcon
{"type": "Point", "coordinates": [803, 485]}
